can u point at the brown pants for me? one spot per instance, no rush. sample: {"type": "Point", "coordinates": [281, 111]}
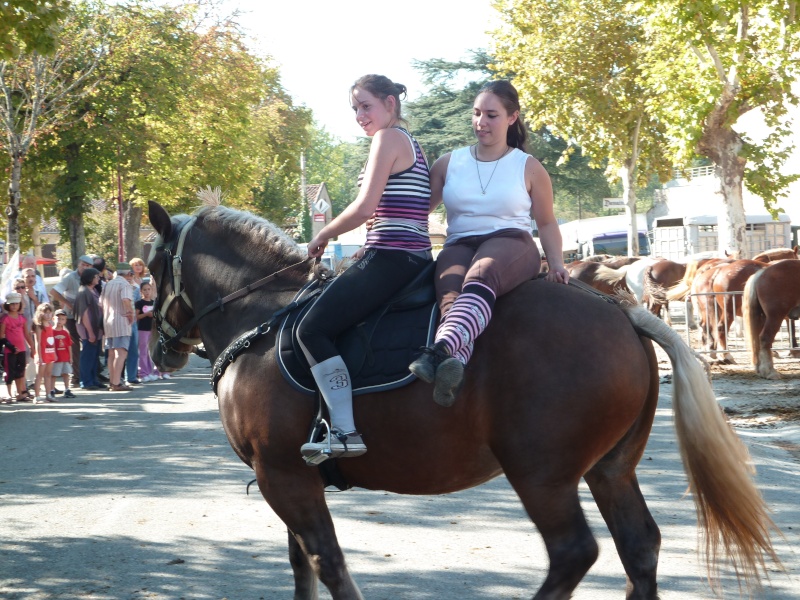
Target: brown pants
{"type": "Point", "coordinates": [501, 261]}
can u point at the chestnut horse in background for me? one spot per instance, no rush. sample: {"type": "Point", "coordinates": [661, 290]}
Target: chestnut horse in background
{"type": "Point", "coordinates": [777, 254]}
{"type": "Point", "coordinates": [599, 276]}
{"type": "Point", "coordinates": [659, 277]}
{"type": "Point", "coordinates": [770, 296]}
{"type": "Point", "coordinates": [563, 385]}
{"type": "Point", "coordinates": [715, 307]}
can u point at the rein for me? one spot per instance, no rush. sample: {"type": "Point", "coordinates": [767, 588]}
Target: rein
{"type": "Point", "coordinates": [174, 265]}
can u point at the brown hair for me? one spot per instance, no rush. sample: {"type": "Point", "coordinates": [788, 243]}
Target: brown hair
{"type": "Point", "coordinates": [508, 96]}
{"type": "Point", "coordinates": [382, 87]}
{"type": "Point", "coordinates": [38, 316]}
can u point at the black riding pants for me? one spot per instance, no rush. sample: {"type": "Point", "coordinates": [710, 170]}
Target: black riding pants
{"type": "Point", "coordinates": [353, 296]}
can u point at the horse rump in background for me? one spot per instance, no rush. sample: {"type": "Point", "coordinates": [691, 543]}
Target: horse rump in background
{"type": "Point", "coordinates": [770, 296]}
{"type": "Point", "coordinates": [716, 307]}
{"type": "Point", "coordinates": [563, 385]}
{"type": "Point", "coordinates": [777, 254]}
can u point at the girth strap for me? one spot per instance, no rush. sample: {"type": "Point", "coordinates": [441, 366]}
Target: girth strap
{"type": "Point", "coordinates": [244, 341]}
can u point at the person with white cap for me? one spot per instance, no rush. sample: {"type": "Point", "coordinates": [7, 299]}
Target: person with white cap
{"type": "Point", "coordinates": [117, 301]}
{"type": "Point", "coordinates": [65, 292]}
{"type": "Point", "coordinates": [14, 339]}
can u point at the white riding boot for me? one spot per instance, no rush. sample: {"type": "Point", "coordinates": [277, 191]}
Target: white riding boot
{"type": "Point", "coordinates": [344, 441]}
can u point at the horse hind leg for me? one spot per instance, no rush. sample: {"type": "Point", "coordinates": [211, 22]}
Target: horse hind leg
{"type": "Point", "coordinates": [635, 533]}
{"type": "Point", "coordinates": [557, 513]}
{"type": "Point", "coordinates": [764, 365]}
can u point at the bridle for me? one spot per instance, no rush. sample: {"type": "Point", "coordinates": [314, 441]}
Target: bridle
{"type": "Point", "coordinates": [169, 336]}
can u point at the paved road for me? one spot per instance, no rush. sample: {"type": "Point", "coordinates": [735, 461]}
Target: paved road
{"type": "Point", "coordinates": [138, 495]}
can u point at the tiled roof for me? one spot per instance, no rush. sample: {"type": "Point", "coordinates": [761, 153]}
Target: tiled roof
{"type": "Point", "coordinates": [312, 191]}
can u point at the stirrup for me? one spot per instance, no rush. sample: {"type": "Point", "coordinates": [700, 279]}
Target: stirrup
{"type": "Point", "coordinates": [319, 456]}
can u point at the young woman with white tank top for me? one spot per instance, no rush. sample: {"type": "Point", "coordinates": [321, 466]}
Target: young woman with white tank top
{"type": "Point", "coordinates": [490, 190]}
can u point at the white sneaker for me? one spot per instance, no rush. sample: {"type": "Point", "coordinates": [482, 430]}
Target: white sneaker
{"type": "Point", "coordinates": [340, 445]}
{"type": "Point", "coordinates": [149, 378]}
{"type": "Point", "coordinates": [166, 376]}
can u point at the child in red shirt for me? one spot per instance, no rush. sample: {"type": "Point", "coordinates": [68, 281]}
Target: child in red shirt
{"type": "Point", "coordinates": [63, 365]}
{"type": "Point", "coordinates": [45, 350]}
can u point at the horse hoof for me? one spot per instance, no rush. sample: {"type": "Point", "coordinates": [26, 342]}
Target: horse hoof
{"type": "Point", "coordinates": [773, 375]}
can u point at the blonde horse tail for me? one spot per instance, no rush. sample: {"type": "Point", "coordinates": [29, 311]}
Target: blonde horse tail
{"type": "Point", "coordinates": [752, 317]}
{"type": "Point", "coordinates": [731, 512]}
{"type": "Point", "coordinates": [680, 290]}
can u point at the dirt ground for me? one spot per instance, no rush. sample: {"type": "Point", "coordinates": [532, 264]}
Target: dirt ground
{"type": "Point", "coordinates": [754, 403]}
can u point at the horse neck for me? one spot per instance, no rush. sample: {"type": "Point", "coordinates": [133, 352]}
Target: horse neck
{"type": "Point", "coordinates": [221, 326]}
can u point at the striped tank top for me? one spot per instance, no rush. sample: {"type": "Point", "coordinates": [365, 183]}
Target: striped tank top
{"type": "Point", "coordinates": [401, 219]}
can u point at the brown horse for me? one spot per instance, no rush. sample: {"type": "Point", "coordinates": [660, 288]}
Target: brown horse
{"type": "Point", "coordinates": [599, 276]}
{"type": "Point", "coordinates": [770, 296]}
{"type": "Point", "coordinates": [777, 254]}
{"type": "Point", "coordinates": [563, 385]}
{"type": "Point", "coordinates": [658, 277]}
{"type": "Point", "coordinates": [715, 306]}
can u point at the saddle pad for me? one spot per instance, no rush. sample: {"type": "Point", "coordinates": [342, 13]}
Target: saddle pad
{"type": "Point", "coordinates": [377, 351]}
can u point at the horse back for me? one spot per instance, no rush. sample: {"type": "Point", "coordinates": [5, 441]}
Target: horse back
{"type": "Point", "coordinates": [558, 372]}
{"type": "Point", "coordinates": [778, 287]}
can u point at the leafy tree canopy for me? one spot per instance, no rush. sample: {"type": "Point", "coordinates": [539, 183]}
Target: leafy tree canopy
{"type": "Point", "coordinates": [29, 26]}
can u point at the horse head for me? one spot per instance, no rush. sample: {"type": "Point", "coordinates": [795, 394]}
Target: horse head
{"type": "Point", "coordinates": [170, 349]}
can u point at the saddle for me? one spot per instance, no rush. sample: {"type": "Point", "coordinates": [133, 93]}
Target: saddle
{"type": "Point", "coordinates": [378, 350]}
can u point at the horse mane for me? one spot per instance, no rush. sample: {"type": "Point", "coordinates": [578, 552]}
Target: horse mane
{"type": "Point", "coordinates": [268, 243]}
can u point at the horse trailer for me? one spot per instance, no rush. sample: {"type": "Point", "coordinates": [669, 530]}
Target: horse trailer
{"type": "Point", "coordinates": [675, 237]}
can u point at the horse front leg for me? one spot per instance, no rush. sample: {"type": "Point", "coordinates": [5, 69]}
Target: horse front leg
{"type": "Point", "coordinates": [298, 498]}
{"type": "Point", "coordinates": [305, 579]}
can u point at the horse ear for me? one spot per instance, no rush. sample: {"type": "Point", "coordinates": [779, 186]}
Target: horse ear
{"type": "Point", "coordinates": [159, 217]}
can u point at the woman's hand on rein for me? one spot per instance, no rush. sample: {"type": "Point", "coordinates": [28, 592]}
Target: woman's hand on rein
{"type": "Point", "coordinates": [316, 247]}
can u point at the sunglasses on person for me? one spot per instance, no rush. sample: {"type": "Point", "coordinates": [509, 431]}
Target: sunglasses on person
{"type": "Point", "coordinates": [20, 287]}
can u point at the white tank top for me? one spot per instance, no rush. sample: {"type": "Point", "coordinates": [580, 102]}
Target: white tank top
{"type": "Point", "coordinates": [506, 204]}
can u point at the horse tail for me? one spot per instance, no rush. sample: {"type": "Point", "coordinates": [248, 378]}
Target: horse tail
{"type": "Point", "coordinates": [680, 290]}
{"type": "Point", "coordinates": [612, 277]}
{"type": "Point", "coordinates": [752, 316]}
{"type": "Point", "coordinates": [730, 510]}
{"type": "Point", "coordinates": [652, 289]}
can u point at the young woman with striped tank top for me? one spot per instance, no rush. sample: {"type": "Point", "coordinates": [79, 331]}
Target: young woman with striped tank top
{"type": "Point", "coordinates": [490, 190]}
{"type": "Point", "coordinates": [395, 190]}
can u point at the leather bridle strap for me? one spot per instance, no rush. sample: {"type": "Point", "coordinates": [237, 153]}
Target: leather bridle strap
{"type": "Point", "coordinates": [219, 303]}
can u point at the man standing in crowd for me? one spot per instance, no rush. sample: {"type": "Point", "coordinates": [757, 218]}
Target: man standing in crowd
{"type": "Point", "coordinates": [65, 292]}
{"type": "Point", "coordinates": [117, 319]}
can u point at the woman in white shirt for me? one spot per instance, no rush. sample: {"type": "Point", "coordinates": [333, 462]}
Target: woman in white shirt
{"type": "Point", "coordinates": [490, 190]}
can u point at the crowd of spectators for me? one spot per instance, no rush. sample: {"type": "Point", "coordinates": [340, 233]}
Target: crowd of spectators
{"type": "Point", "coordinates": [90, 331]}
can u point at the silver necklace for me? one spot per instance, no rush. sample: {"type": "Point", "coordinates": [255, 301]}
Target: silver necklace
{"type": "Point", "coordinates": [477, 168]}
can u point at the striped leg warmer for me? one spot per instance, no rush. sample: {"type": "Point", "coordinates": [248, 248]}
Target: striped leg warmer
{"type": "Point", "coordinates": [465, 321]}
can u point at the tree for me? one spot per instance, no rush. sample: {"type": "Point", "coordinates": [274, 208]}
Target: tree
{"type": "Point", "coordinates": [337, 164]}
{"type": "Point", "coordinates": [29, 26]}
{"type": "Point", "coordinates": [38, 95]}
{"type": "Point", "coordinates": [710, 63]}
{"type": "Point", "coordinates": [575, 64]}
{"type": "Point", "coordinates": [182, 105]}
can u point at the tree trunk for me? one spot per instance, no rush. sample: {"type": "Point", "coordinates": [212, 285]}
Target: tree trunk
{"type": "Point", "coordinates": [77, 235]}
{"type": "Point", "coordinates": [132, 220]}
{"type": "Point", "coordinates": [12, 210]}
{"type": "Point", "coordinates": [723, 146]}
{"type": "Point", "coordinates": [627, 173]}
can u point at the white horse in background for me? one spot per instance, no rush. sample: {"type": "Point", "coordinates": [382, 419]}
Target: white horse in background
{"type": "Point", "coordinates": [634, 276]}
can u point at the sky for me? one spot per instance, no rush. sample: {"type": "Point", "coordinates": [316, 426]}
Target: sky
{"type": "Point", "coordinates": [322, 46]}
